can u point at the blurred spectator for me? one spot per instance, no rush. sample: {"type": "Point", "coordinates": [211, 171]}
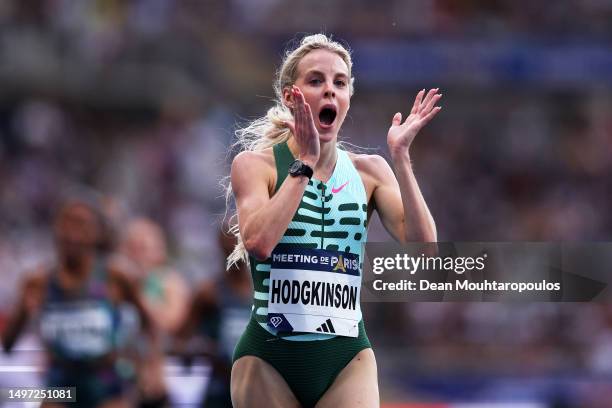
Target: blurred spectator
{"type": "Point", "coordinates": [165, 297]}
{"type": "Point", "coordinates": [219, 314]}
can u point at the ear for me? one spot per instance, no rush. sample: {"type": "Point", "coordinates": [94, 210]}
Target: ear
{"type": "Point", "coordinates": [288, 97]}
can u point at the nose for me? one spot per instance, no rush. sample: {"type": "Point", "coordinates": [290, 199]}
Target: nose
{"type": "Point", "coordinates": [329, 90]}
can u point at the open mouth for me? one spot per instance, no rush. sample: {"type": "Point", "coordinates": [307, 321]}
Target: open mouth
{"type": "Point", "coordinates": [327, 115]}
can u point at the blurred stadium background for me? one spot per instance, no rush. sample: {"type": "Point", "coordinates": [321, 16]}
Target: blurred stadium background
{"type": "Point", "coordinates": [137, 101]}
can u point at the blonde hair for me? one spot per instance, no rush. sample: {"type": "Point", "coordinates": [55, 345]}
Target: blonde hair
{"type": "Point", "coordinates": [271, 129]}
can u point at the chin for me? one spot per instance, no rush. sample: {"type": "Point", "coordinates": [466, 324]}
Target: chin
{"type": "Point", "coordinates": [327, 137]}
{"type": "Point", "coordinates": [328, 133]}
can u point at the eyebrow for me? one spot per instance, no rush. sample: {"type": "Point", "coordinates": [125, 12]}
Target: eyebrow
{"type": "Point", "coordinates": [316, 72]}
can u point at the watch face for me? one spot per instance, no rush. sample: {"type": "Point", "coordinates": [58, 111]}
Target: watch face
{"type": "Point", "coordinates": [295, 167]}
{"type": "Point", "coordinates": [299, 168]}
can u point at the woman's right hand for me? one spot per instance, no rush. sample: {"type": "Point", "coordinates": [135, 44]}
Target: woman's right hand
{"type": "Point", "coordinates": [304, 130]}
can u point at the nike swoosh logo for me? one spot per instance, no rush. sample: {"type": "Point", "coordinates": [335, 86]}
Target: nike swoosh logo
{"type": "Point", "coordinates": [337, 190]}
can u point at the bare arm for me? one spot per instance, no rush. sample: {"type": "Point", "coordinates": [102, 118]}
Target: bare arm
{"type": "Point", "coordinates": [263, 219]}
{"type": "Point", "coordinates": [16, 323]}
{"type": "Point", "coordinates": [124, 288]}
{"type": "Point", "coordinates": [400, 203]}
{"type": "Point", "coordinates": [29, 302]}
{"type": "Point", "coordinates": [401, 206]}
{"type": "Point", "coordinates": [170, 313]}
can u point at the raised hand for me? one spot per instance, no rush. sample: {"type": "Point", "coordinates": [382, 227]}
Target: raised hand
{"type": "Point", "coordinates": [304, 129]}
{"type": "Point", "coordinates": [401, 135]}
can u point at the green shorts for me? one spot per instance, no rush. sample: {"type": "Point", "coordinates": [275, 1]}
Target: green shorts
{"type": "Point", "coordinates": [308, 367]}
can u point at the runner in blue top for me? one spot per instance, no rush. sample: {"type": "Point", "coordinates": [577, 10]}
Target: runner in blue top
{"type": "Point", "coordinates": [86, 310]}
{"type": "Point", "coordinates": [303, 205]}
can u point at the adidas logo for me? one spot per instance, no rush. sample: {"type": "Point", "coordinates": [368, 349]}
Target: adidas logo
{"type": "Point", "coordinates": [327, 327]}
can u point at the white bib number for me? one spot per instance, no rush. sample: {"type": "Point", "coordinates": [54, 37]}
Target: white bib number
{"type": "Point", "coordinates": [315, 291]}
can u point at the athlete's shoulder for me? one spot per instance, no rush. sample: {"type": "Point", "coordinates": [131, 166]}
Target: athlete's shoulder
{"type": "Point", "coordinates": [37, 277]}
{"type": "Point", "coordinates": [35, 283]}
{"type": "Point", "coordinates": [366, 160]}
{"type": "Point", "coordinates": [250, 165]}
{"type": "Point", "coordinates": [253, 163]}
{"type": "Point", "coordinates": [254, 158]}
{"type": "Point", "coordinates": [372, 165]}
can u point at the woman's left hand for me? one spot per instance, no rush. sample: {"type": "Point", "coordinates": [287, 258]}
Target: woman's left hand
{"type": "Point", "coordinates": [400, 134]}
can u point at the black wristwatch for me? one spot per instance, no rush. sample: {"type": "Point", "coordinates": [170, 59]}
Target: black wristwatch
{"type": "Point", "coordinates": [299, 168]}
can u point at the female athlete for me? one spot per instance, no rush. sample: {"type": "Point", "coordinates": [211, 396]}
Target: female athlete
{"type": "Point", "coordinates": [303, 205]}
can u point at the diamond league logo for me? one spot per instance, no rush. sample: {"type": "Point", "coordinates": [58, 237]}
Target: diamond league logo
{"type": "Point", "coordinates": [276, 321]}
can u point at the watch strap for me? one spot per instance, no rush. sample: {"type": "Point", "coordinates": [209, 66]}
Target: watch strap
{"type": "Point", "coordinates": [301, 169]}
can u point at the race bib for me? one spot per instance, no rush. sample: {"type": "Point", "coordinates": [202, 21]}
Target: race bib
{"type": "Point", "coordinates": [314, 291]}
{"type": "Point", "coordinates": [78, 329]}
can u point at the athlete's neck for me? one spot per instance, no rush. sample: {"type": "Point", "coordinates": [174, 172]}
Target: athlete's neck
{"type": "Point", "coordinates": [76, 269]}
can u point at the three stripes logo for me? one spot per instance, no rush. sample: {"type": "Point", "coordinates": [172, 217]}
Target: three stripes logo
{"type": "Point", "coordinates": [327, 327]}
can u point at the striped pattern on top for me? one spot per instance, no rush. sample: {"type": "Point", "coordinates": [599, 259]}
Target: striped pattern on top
{"type": "Point", "coordinates": [324, 220]}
